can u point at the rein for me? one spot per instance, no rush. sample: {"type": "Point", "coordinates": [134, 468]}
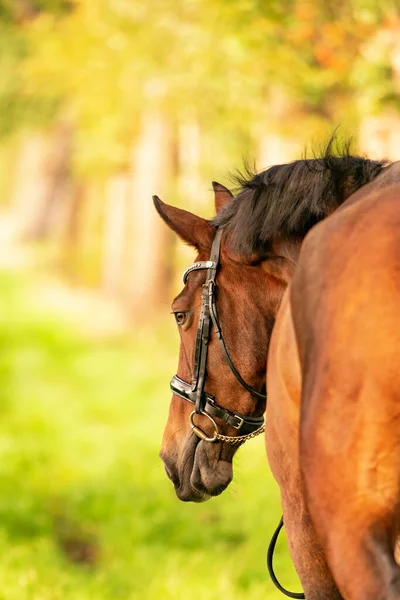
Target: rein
{"type": "Point", "coordinates": [204, 403]}
{"type": "Point", "coordinates": [270, 565]}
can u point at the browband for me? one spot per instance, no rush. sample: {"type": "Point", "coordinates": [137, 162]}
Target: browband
{"type": "Point", "coordinates": [201, 264]}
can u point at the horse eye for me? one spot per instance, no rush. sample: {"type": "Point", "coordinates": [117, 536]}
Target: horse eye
{"type": "Point", "coordinates": [180, 318]}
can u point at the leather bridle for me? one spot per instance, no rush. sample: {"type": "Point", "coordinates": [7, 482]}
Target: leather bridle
{"type": "Point", "coordinates": [204, 403]}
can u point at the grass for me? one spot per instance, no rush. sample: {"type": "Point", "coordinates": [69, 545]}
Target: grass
{"type": "Point", "coordinates": [86, 511]}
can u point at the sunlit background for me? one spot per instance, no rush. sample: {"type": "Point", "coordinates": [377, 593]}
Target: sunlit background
{"type": "Point", "coordinates": [102, 104]}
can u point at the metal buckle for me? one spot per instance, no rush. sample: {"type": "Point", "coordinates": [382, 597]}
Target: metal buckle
{"type": "Point", "coordinates": [199, 432]}
{"type": "Point", "coordinates": [241, 421]}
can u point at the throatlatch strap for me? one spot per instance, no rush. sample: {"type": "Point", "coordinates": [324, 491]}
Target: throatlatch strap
{"type": "Point", "coordinates": [218, 332]}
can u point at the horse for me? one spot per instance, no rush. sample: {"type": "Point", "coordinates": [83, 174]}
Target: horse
{"type": "Point", "coordinates": [334, 365]}
{"type": "Point", "coordinates": [285, 399]}
{"type": "Point", "coordinates": [292, 198]}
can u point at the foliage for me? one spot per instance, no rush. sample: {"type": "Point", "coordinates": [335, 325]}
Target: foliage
{"type": "Point", "coordinates": [102, 61]}
{"type": "Point", "coordinates": [86, 509]}
{"type": "Point", "coordinates": [20, 105]}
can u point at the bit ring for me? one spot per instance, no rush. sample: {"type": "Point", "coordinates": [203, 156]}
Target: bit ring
{"type": "Point", "coordinates": [199, 432]}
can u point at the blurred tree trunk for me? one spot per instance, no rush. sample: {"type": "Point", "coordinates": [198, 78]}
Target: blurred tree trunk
{"type": "Point", "coordinates": [274, 149]}
{"type": "Point", "coordinates": [277, 143]}
{"type": "Point", "coordinates": [30, 181]}
{"type": "Point", "coordinates": [70, 248]}
{"type": "Point", "coordinates": [189, 186]}
{"type": "Point", "coordinates": [43, 188]}
{"type": "Point", "coordinates": [151, 173]}
{"type": "Point", "coordinates": [57, 206]}
{"type": "Point", "coordinates": [91, 214]}
{"type": "Point", "coordinates": [379, 135]}
{"type": "Point", "coordinates": [380, 132]}
{"type": "Point", "coordinates": [115, 230]}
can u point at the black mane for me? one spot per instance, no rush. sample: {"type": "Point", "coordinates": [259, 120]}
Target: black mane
{"type": "Point", "coordinates": [287, 200]}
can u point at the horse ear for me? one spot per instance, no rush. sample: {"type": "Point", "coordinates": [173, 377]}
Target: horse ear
{"type": "Point", "coordinates": [222, 196]}
{"type": "Point", "coordinates": [192, 229]}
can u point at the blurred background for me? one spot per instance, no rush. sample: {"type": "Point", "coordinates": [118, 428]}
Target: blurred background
{"type": "Point", "coordinates": [102, 104]}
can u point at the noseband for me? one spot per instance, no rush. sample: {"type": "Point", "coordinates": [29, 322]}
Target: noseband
{"type": "Point", "coordinates": [204, 403]}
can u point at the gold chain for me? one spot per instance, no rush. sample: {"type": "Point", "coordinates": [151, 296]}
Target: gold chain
{"type": "Point", "coordinates": [237, 440]}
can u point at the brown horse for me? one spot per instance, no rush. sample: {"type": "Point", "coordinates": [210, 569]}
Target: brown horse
{"type": "Point", "coordinates": [278, 207]}
{"type": "Point", "coordinates": [341, 327]}
{"type": "Point", "coordinates": [284, 395]}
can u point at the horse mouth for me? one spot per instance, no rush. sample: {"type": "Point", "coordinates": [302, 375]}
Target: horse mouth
{"type": "Point", "coordinates": [203, 472]}
{"type": "Point", "coordinates": [192, 494]}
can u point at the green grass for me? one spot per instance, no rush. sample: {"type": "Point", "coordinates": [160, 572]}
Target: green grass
{"type": "Point", "coordinates": [86, 511]}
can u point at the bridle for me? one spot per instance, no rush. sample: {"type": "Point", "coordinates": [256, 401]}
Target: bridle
{"type": "Point", "coordinates": [204, 403]}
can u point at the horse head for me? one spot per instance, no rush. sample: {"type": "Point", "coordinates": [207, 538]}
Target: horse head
{"type": "Point", "coordinates": [246, 257]}
{"type": "Point", "coordinates": [207, 403]}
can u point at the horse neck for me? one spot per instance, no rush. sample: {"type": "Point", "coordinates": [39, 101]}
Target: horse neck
{"type": "Point", "coordinates": [388, 176]}
{"type": "Point", "coordinates": [287, 248]}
